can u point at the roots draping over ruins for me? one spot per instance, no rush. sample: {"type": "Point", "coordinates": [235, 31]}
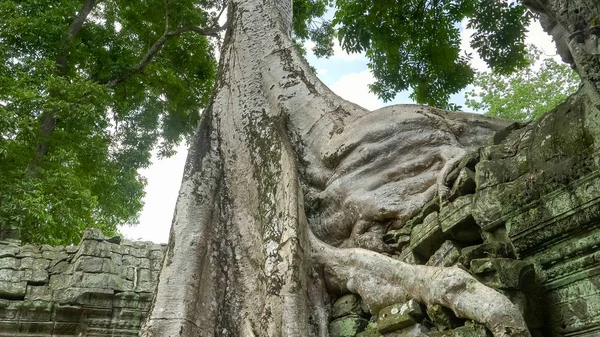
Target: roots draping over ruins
{"type": "Point", "coordinates": [288, 193]}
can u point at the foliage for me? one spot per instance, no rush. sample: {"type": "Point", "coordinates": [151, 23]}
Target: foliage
{"type": "Point", "coordinates": [107, 113]}
{"type": "Point", "coordinates": [526, 94]}
{"type": "Point", "coordinates": [416, 43]}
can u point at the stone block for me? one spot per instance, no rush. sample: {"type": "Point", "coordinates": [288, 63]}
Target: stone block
{"type": "Point", "coordinates": [89, 264]}
{"type": "Point", "coordinates": [9, 251]}
{"type": "Point", "coordinates": [505, 274]}
{"type": "Point", "coordinates": [398, 316]}
{"type": "Point", "coordinates": [126, 300]}
{"type": "Point", "coordinates": [88, 297]}
{"type": "Point", "coordinates": [9, 310]}
{"type": "Point", "coordinates": [35, 329]}
{"type": "Point", "coordinates": [13, 290]}
{"type": "Point", "coordinates": [35, 276]}
{"type": "Point", "coordinates": [442, 317]}
{"type": "Point", "coordinates": [346, 305]}
{"type": "Point", "coordinates": [55, 256]}
{"type": "Point", "coordinates": [457, 221]}
{"type": "Point", "coordinates": [490, 249]}
{"type": "Point", "coordinates": [10, 262]}
{"type": "Point", "coordinates": [68, 313]}
{"type": "Point", "coordinates": [37, 311]}
{"type": "Point", "coordinates": [62, 267]}
{"type": "Point", "coordinates": [427, 237]}
{"type": "Point", "coordinates": [124, 318]}
{"type": "Point", "coordinates": [464, 183]}
{"type": "Point", "coordinates": [63, 281]}
{"type": "Point", "coordinates": [370, 331]}
{"type": "Point", "coordinates": [40, 293]}
{"type": "Point", "coordinates": [416, 330]}
{"type": "Point", "coordinates": [34, 263]}
{"type": "Point", "coordinates": [347, 326]}
{"type": "Point", "coordinates": [71, 249]}
{"type": "Point", "coordinates": [446, 256]}
{"type": "Point", "coordinates": [473, 330]}
{"type": "Point", "coordinates": [93, 234]}
{"type": "Point", "coordinates": [105, 281]}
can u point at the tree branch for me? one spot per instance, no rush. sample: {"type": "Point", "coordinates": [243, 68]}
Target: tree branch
{"type": "Point", "coordinates": [157, 47]}
{"type": "Point", "coordinates": [72, 32]}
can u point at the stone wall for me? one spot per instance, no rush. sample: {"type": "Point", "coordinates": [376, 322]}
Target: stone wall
{"type": "Point", "coordinates": [103, 287]}
{"type": "Point", "coordinates": [523, 217]}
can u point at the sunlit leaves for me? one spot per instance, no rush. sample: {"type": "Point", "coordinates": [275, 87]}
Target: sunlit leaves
{"type": "Point", "coordinates": [415, 44]}
{"type": "Point", "coordinates": [89, 177]}
{"type": "Point", "coordinates": [526, 94]}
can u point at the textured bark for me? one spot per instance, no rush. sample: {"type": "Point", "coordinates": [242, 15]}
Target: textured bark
{"type": "Point", "coordinates": [575, 28]}
{"type": "Point", "coordinates": [282, 182]}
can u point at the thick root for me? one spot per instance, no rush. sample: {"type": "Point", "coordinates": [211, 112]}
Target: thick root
{"type": "Point", "coordinates": [382, 281]}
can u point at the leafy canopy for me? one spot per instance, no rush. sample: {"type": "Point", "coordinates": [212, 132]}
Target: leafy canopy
{"type": "Point", "coordinates": [527, 94]}
{"type": "Point", "coordinates": [105, 112]}
{"type": "Point", "coordinates": [415, 44]}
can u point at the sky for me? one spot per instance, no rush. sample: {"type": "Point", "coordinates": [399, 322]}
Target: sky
{"type": "Point", "coordinates": [346, 74]}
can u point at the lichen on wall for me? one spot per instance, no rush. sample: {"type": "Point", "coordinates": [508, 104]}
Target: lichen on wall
{"type": "Point", "coordinates": [103, 287]}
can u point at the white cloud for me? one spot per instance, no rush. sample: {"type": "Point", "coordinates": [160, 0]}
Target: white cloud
{"type": "Point", "coordinates": [164, 179]}
{"type": "Point", "coordinates": [353, 87]}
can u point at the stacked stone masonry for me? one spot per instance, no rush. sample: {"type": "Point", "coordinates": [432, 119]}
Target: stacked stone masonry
{"type": "Point", "coordinates": [99, 288]}
{"type": "Point", "coordinates": [523, 217]}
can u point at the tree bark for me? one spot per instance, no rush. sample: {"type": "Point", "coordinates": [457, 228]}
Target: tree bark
{"type": "Point", "coordinates": [281, 174]}
{"type": "Point", "coordinates": [575, 27]}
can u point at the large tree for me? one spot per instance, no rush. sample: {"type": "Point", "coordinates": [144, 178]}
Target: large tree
{"type": "Point", "coordinates": [87, 90]}
{"type": "Point", "coordinates": [285, 182]}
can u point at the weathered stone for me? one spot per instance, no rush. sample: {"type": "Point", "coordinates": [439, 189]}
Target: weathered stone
{"type": "Point", "coordinates": [442, 317]}
{"type": "Point", "coordinates": [427, 237]}
{"type": "Point", "coordinates": [474, 330]}
{"type": "Point", "coordinates": [456, 220]}
{"type": "Point", "coordinates": [42, 293]}
{"type": "Point", "coordinates": [105, 281]}
{"type": "Point", "coordinates": [370, 331]}
{"type": "Point", "coordinates": [9, 251]}
{"type": "Point", "coordinates": [13, 290]}
{"type": "Point", "coordinates": [9, 263]}
{"type": "Point", "coordinates": [446, 256]}
{"type": "Point", "coordinates": [30, 250]}
{"type": "Point", "coordinates": [490, 249]}
{"type": "Point", "coordinates": [410, 257]}
{"type": "Point", "coordinates": [507, 274]}
{"type": "Point", "coordinates": [89, 264]}
{"type": "Point", "coordinates": [346, 305]}
{"type": "Point", "coordinates": [9, 275]}
{"type": "Point", "coordinates": [55, 256]}
{"type": "Point", "coordinates": [416, 330]}
{"type": "Point", "coordinates": [464, 183]}
{"type": "Point", "coordinates": [94, 234]}
{"type": "Point", "coordinates": [347, 326]}
{"type": "Point", "coordinates": [33, 263]}
{"type": "Point", "coordinates": [398, 316]}
{"type": "Point", "coordinates": [35, 276]}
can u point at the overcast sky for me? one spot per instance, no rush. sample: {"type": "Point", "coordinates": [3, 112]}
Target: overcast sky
{"type": "Point", "coordinates": [347, 75]}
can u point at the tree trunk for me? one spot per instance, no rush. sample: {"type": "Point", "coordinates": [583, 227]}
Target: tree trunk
{"type": "Point", "coordinates": [575, 28]}
{"type": "Point", "coordinates": [285, 182]}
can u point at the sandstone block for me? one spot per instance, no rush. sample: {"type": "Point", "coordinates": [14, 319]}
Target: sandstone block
{"type": "Point", "coordinates": [398, 316]}
{"type": "Point", "coordinates": [347, 326]}
{"type": "Point", "coordinates": [346, 305]}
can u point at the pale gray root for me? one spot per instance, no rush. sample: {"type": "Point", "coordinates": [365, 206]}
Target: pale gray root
{"type": "Point", "coordinates": [383, 281]}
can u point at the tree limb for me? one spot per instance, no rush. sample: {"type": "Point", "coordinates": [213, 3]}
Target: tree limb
{"type": "Point", "coordinates": [157, 47]}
